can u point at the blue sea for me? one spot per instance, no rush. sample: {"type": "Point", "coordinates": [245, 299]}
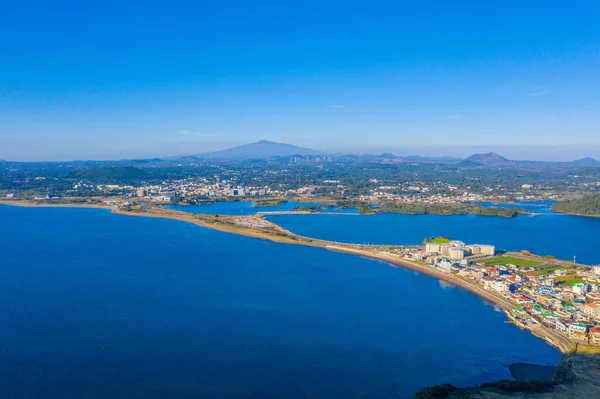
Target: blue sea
{"type": "Point", "coordinates": [239, 207]}
{"type": "Point", "coordinates": [546, 233]}
{"type": "Point", "coordinates": [96, 305]}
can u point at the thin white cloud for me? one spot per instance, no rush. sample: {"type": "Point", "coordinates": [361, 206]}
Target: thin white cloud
{"type": "Point", "coordinates": [540, 91]}
{"type": "Point", "coordinates": [196, 134]}
{"type": "Point", "coordinates": [337, 106]}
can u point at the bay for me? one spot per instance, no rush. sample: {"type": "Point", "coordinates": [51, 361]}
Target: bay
{"type": "Point", "coordinates": [239, 207]}
{"type": "Point", "coordinates": [545, 233]}
{"type": "Point", "coordinates": [98, 305]}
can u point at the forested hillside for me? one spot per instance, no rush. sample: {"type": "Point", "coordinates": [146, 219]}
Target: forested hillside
{"type": "Point", "coordinates": [110, 174]}
{"type": "Point", "coordinates": [588, 205]}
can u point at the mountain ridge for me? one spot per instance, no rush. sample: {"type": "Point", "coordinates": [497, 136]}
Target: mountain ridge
{"type": "Point", "coordinates": [261, 149]}
{"type": "Point", "coordinates": [490, 158]}
{"type": "Point", "coordinates": [587, 161]}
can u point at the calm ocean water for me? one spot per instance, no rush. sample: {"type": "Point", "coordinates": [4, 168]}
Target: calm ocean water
{"type": "Point", "coordinates": [548, 233]}
{"type": "Point", "coordinates": [238, 208]}
{"type": "Point", "coordinates": [95, 305]}
{"type": "Point", "coordinates": [245, 208]}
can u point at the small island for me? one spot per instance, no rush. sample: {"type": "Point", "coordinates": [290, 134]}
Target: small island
{"type": "Point", "coordinates": [312, 208]}
{"type": "Point", "coordinates": [425, 208]}
{"type": "Point", "coordinates": [269, 202]}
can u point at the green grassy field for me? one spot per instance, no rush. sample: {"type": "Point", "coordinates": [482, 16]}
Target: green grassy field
{"type": "Point", "coordinates": [439, 240]}
{"type": "Point", "coordinates": [506, 260]}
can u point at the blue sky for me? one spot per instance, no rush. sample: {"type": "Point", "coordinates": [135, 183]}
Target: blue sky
{"type": "Point", "coordinates": [106, 80]}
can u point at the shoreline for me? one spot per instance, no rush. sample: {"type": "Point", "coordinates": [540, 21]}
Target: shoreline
{"type": "Point", "coordinates": [561, 343]}
{"type": "Point", "coordinates": [576, 214]}
{"type": "Point", "coordinates": [332, 204]}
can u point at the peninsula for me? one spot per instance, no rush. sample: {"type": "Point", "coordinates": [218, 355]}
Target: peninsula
{"type": "Point", "coordinates": [588, 205]}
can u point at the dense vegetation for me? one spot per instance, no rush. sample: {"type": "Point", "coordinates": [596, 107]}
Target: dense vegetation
{"type": "Point", "coordinates": [587, 205]}
{"type": "Point", "coordinates": [437, 240]}
{"type": "Point", "coordinates": [267, 203]}
{"type": "Point", "coordinates": [343, 178]}
{"type": "Point", "coordinates": [109, 174]}
{"type": "Point", "coordinates": [311, 208]}
{"type": "Point", "coordinates": [363, 208]}
{"type": "Point", "coordinates": [423, 208]}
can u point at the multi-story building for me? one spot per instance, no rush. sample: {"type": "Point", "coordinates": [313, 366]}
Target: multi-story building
{"type": "Point", "coordinates": [487, 249]}
{"type": "Point", "coordinates": [445, 249]}
{"type": "Point", "coordinates": [591, 310]}
{"type": "Point", "coordinates": [560, 326]}
{"type": "Point", "coordinates": [549, 282]}
{"type": "Point", "coordinates": [476, 274]}
{"type": "Point", "coordinates": [487, 282]}
{"type": "Point", "coordinates": [500, 285]}
{"type": "Point", "coordinates": [474, 249]}
{"type": "Point", "coordinates": [445, 266]}
{"type": "Point", "coordinates": [578, 331]}
{"type": "Point", "coordinates": [580, 288]}
{"type": "Point", "coordinates": [493, 272]}
{"type": "Point", "coordinates": [456, 253]}
{"type": "Point", "coordinates": [165, 196]}
{"type": "Point", "coordinates": [433, 247]}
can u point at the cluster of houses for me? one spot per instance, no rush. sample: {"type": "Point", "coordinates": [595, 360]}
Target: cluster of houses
{"type": "Point", "coordinates": [191, 189]}
{"type": "Point", "coordinates": [571, 308]}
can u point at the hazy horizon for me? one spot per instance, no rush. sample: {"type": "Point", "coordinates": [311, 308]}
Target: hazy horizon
{"type": "Point", "coordinates": [522, 153]}
{"type": "Point", "coordinates": [135, 80]}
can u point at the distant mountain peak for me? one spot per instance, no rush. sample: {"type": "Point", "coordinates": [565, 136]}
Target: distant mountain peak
{"type": "Point", "coordinates": [389, 158]}
{"type": "Point", "coordinates": [486, 159]}
{"type": "Point", "coordinates": [492, 155]}
{"type": "Point", "coordinates": [262, 149]}
{"type": "Point", "coordinates": [587, 161]}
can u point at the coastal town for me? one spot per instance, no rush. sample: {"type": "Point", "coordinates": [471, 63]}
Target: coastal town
{"type": "Point", "coordinates": [558, 295]}
{"type": "Point", "coordinates": [203, 189]}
